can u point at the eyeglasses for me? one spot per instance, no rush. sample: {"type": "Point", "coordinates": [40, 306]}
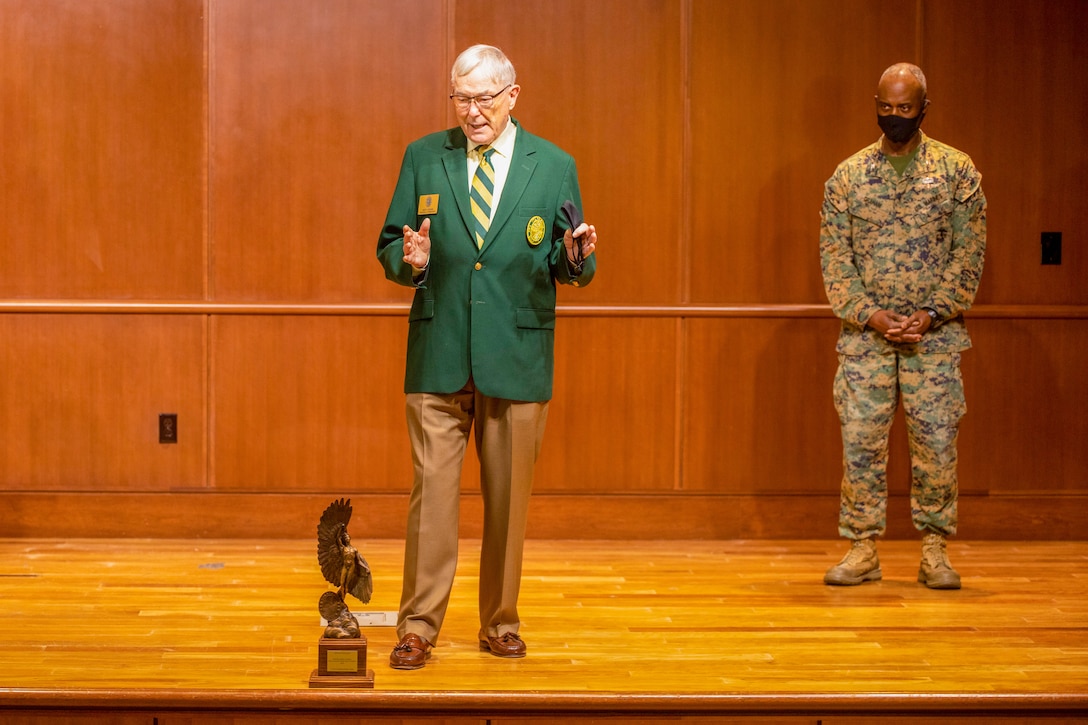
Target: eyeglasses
{"type": "Point", "coordinates": [484, 101]}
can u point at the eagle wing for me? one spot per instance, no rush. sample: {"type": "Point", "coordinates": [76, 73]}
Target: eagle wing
{"type": "Point", "coordinates": [329, 550]}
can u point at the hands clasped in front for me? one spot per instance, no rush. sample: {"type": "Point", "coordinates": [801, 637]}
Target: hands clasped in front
{"type": "Point", "coordinates": [901, 328]}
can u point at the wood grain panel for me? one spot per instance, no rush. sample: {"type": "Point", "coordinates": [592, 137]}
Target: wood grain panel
{"type": "Point", "coordinates": [333, 418]}
{"type": "Point", "coordinates": [312, 106]}
{"type": "Point", "coordinates": [613, 418]}
{"type": "Point", "coordinates": [703, 131]}
{"type": "Point", "coordinates": [1034, 167]}
{"type": "Point", "coordinates": [758, 411]}
{"type": "Point", "coordinates": [781, 92]}
{"type": "Point", "coordinates": [1025, 431]}
{"type": "Point", "coordinates": [571, 515]}
{"type": "Point", "coordinates": [617, 105]}
{"type": "Point", "coordinates": [82, 396]}
{"type": "Point", "coordinates": [102, 111]}
{"type": "Point", "coordinates": [309, 404]}
{"type": "Point", "coordinates": [197, 514]}
{"type": "Point", "coordinates": [76, 717]}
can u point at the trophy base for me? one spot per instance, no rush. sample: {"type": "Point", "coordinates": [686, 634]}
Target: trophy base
{"type": "Point", "coordinates": [341, 663]}
{"type": "Point", "coordinates": [361, 681]}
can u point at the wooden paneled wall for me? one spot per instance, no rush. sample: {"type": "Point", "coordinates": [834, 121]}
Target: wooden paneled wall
{"type": "Point", "coordinates": [192, 192]}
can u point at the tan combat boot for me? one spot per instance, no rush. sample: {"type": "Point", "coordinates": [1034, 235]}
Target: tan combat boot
{"type": "Point", "coordinates": [861, 564]}
{"type": "Point", "coordinates": [935, 571]}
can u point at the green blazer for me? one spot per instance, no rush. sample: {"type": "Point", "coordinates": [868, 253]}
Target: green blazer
{"type": "Point", "coordinates": [489, 313]}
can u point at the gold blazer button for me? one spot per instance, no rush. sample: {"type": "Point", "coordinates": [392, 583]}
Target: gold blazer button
{"type": "Point", "coordinates": [479, 266]}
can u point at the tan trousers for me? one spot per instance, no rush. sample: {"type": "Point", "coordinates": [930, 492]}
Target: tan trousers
{"type": "Point", "coordinates": [508, 435]}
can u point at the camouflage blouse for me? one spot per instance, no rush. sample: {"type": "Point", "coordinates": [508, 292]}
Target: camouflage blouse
{"type": "Point", "coordinates": [903, 243]}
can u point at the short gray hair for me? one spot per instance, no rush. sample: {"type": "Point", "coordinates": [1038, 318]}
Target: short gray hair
{"type": "Point", "coordinates": [492, 60]}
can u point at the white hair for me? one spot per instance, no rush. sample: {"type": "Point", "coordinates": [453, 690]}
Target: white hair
{"type": "Point", "coordinates": [487, 57]}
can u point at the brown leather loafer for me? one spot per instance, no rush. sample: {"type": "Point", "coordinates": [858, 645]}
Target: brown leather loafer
{"type": "Point", "coordinates": [507, 645]}
{"type": "Point", "coordinates": [411, 653]}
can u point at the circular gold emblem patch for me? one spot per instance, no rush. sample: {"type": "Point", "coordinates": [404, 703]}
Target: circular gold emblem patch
{"type": "Point", "coordinates": [534, 230]}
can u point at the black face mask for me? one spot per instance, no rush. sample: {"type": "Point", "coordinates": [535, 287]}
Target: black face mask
{"type": "Point", "coordinates": [899, 129]}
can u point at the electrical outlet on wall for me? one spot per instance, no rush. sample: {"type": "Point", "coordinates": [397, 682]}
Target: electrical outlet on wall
{"type": "Point", "coordinates": [168, 427]}
{"type": "Point", "coordinates": [1052, 247]}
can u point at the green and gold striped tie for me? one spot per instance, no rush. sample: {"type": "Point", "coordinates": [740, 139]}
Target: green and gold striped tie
{"type": "Point", "coordinates": [480, 195]}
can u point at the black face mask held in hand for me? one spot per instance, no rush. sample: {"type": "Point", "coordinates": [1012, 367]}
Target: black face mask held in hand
{"type": "Point", "coordinates": [899, 129]}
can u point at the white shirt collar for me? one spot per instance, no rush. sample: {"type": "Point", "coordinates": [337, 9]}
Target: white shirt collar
{"type": "Point", "coordinates": [504, 144]}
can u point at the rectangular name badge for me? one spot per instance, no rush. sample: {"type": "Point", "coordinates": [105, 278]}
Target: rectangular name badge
{"type": "Point", "coordinates": [428, 204]}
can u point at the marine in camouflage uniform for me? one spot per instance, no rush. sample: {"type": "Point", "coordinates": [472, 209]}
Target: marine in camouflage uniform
{"type": "Point", "coordinates": [912, 244]}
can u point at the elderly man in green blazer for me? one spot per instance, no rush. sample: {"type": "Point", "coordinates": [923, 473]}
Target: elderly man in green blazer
{"type": "Point", "coordinates": [477, 226]}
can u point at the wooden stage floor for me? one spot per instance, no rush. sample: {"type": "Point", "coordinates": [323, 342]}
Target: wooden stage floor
{"type": "Point", "coordinates": [226, 631]}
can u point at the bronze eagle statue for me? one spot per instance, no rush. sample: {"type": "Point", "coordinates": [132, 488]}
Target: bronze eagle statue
{"type": "Point", "coordinates": [341, 563]}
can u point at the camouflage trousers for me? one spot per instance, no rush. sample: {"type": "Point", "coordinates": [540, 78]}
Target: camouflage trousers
{"type": "Point", "coordinates": [867, 392]}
